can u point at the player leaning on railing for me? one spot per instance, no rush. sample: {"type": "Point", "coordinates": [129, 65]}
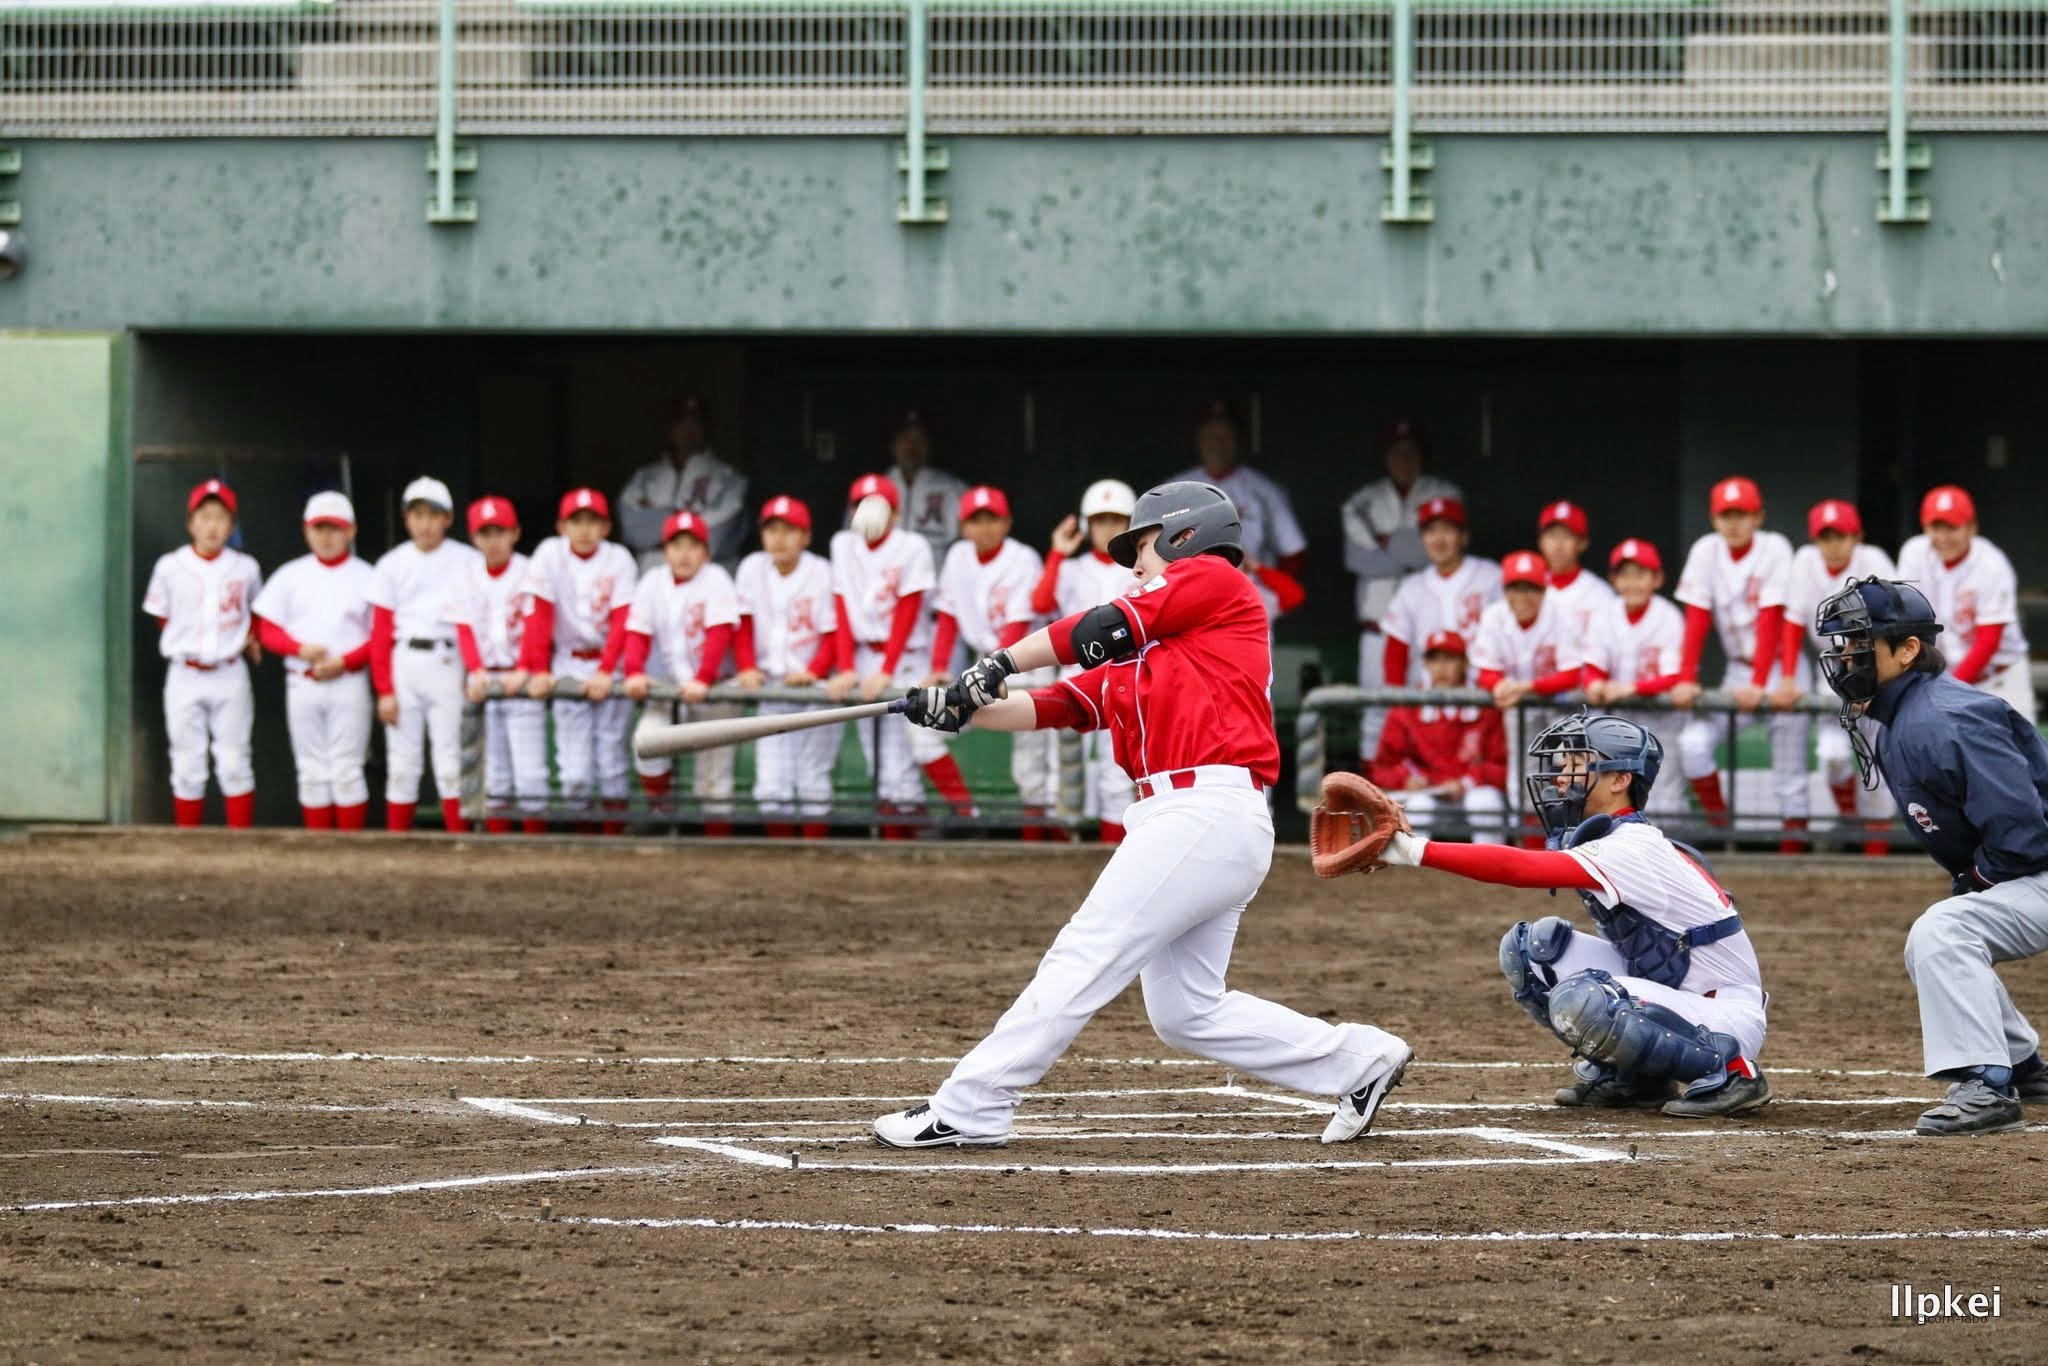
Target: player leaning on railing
{"type": "Point", "coordinates": [1177, 674]}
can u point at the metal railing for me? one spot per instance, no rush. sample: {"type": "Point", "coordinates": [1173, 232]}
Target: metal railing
{"type": "Point", "coordinates": [1826, 828]}
{"type": "Point", "coordinates": [856, 806]}
{"type": "Point", "coordinates": [90, 68]}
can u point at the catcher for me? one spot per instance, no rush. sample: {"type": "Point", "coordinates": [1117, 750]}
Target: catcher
{"type": "Point", "coordinates": [1662, 1002]}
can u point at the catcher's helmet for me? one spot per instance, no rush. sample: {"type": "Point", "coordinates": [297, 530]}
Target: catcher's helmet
{"type": "Point", "coordinates": [1863, 611]}
{"type": "Point", "coordinates": [1192, 518]}
{"type": "Point", "coordinates": [1580, 746]}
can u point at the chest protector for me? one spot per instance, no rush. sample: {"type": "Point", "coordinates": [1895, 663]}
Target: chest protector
{"type": "Point", "coordinates": [1654, 951]}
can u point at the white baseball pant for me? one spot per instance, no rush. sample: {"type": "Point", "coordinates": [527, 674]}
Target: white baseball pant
{"type": "Point", "coordinates": [1838, 766]}
{"type": "Point", "coordinates": [1737, 1011]}
{"type": "Point", "coordinates": [209, 705]}
{"type": "Point", "coordinates": [428, 685]}
{"type": "Point", "coordinates": [1165, 910]}
{"type": "Point", "coordinates": [515, 755]}
{"type": "Point", "coordinates": [2014, 683]}
{"type": "Point", "coordinates": [1790, 733]}
{"type": "Point", "coordinates": [1035, 754]}
{"type": "Point", "coordinates": [329, 725]}
{"type": "Point", "coordinates": [710, 769]}
{"type": "Point", "coordinates": [1372, 673]}
{"type": "Point", "coordinates": [1485, 808]}
{"type": "Point", "coordinates": [793, 772]}
{"type": "Point", "coordinates": [905, 749]}
{"type": "Point", "coordinates": [590, 748]}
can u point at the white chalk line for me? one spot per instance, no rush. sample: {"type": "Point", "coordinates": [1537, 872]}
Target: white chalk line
{"type": "Point", "coordinates": [1334, 1236]}
{"type": "Point", "coordinates": [336, 1192]}
{"type": "Point", "coordinates": [42, 1098]}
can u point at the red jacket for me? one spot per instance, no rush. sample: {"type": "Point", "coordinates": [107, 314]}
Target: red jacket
{"type": "Point", "coordinates": [1444, 745]}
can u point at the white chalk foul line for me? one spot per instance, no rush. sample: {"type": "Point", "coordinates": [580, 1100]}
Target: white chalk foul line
{"type": "Point", "coordinates": [1334, 1236]}
{"type": "Point", "coordinates": [335, 1192]}
{"type": "Point", "coordinates": [40, 1098]}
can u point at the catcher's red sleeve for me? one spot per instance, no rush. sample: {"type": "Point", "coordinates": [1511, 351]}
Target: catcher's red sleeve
{"type": "Point", "coordinates": [1509, 867]}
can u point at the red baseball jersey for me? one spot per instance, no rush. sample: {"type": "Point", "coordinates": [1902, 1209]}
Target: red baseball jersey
{"type": "Point", "coordinates": [1199, 689]}
{"type": "Point", "coordinates": [1441, 745]}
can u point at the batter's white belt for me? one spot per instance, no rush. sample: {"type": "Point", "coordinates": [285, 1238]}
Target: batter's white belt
{"type": "Point", "coordinates": [1203, 775]}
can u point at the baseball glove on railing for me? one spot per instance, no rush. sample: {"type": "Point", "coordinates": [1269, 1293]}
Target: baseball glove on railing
{"type": "Point", "coordinates": [1350, 830]}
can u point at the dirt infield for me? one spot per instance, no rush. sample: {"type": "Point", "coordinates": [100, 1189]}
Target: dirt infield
{"type": "Point", "coordinates": [394, 1052]}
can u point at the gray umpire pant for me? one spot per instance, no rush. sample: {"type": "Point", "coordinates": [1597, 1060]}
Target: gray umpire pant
{"type": "Point", "coordinates": [1966, 1017]}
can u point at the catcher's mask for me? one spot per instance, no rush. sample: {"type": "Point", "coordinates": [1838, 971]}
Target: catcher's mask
{"type": "Point", "coordinates": [1863, 612]}
{"type": "Point", "coordinates": [1576, 749]}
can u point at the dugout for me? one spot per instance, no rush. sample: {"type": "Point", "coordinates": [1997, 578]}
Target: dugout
{"type": "Point", "coordinates": [1634, 430]}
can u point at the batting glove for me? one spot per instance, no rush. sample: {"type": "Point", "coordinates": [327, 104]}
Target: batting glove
{"type": "Point", "coordinates": [983, 681]}
{"type": "Point", "coordinates": [931, 708]}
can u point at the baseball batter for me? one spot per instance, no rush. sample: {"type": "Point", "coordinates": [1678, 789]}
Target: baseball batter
{"type": "Point", "coordinates": [1666, 993]}
{"type": "Point", "coordinates": [687, 611]}
{"type": "Point", "coordinates": [1834, 554]}
{"type": "Point", "coordinates": [200, 596]}
{"type": "Point", "coordinates": [1971, 774]}
{"type": "Point", "coordinates": [489, 615]}
{"type": "Point", "coordinates": [314, 614]}
{"type": "Point", "coordinates": [1179, 674]}
{"type": "Point", "coordinates": [1074, 582]}
{"type": "Point", "coordinates": [1734, 582]}
{"type": "Point", "coordinates": [1447, 596]}
{"type": "Point", "coordinates": [1975, 595]}
{"type": "Point", "coordinates": [1637, 649]}
{"type": "Point", "coordinates": [581, 584]}
{"type": "Point", "coordinates": [787, 623]}
{"type": "Point", "coordinates": [984, 601]}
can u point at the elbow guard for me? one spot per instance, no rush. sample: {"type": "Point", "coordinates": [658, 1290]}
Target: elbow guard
{"type": "Point", "coordinates": [1102, 634]}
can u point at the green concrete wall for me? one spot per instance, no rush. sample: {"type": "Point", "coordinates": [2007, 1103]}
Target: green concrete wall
{"type": "Point", "coordinates": [1711, 235]}
{"type": "Point", "coordinates": [64, 558]}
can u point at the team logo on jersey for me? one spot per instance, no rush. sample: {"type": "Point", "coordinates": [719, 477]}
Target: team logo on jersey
{"type": "Point", "coordinates": [934, 508]}
{"type": "Point", "coordinates": [1921, 818]}
{"type": "Point", "coordinates": [1469, 608]}
{"type": "Point", "coordinates": [998, 606]}
{"type": "Point", "coordinates": [802, 621]}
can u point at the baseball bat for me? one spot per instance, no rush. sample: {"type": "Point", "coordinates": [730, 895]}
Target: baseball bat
{"type": "Point", "coordinates": [656, 742]}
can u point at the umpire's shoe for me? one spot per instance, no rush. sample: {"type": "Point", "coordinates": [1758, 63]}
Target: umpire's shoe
{"type": "Point", "coordinates": [918, 1127]}
{"type": "Point", "coordinates": [1601, 1088]}
{"type": "Point", "coordinates": [1972, 1106]}
{"type": "Point", "coordinates": [1356, 1111]}
{"type": "Point", "coordinates": [1745, 1089]}
{"type": "Point", "coordinates": [2030, 1079]}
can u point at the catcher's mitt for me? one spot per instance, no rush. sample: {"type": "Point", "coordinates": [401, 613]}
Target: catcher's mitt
{"type": "Point", "coordinates": [1353, 825]}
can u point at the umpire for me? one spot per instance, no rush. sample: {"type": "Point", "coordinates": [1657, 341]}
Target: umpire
{"type": "Point", "coordinates": [1970, 775]}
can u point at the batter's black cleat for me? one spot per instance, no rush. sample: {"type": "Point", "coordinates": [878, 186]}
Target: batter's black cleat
{"type": "Point", "coordinates": [918, 1127]}
{"type": "Point", "coordinates": [1356, 1111]}
{"type": "Point", "coordinates": [1972, 1106]}
{"type": "Point", "coordinates": [1599, 1088]}
{"type": "Point", "coordinates": [1743, 1092]}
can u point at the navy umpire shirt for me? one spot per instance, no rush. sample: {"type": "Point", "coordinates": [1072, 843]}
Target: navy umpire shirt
{"type": "Point", "coordinates": [1969, 774]}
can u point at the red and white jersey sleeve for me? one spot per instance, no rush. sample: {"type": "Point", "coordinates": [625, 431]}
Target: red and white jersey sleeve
{"type": "Point", "coordinates": [984, 596]}
{"type": "Point", "coordinates": [416, 587]}
{"type": "Point", "coordinates": [1090, 579]}
{"type": "Point", "coordinates": [205, 604]}
{"type": "Point", "coordinates": [874, 578]}
{"type": "Point", "coordinates": [1580, 601]}
{"type": "Point", "coordinates": [1650, 646]}
{"type": "Point", "coordinates": [584, 592]}
{"type": "Point", "coordinates": [1524, 653]}
{"type": "Point", "coordinates": [789, 611]}
{"type": "Point", "coordinates": [1809, 584]}
{"type": "Point", "coordinates": [1735, 590]}
{"type": "Point", "coordinates": [320, 604]}
{"type": "Point", "coordinates": [495, 607]}
{"type": "Point", "coordinates": [1635, 865]}
{"type": "Point", "coordinates": [677, 613]}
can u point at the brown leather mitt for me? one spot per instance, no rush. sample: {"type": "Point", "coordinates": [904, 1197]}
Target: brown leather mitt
{"type": "Point", "coordinates": [1353, 826]}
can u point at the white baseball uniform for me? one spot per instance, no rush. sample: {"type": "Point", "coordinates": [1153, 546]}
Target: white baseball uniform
{"type": "Point", "coordinates": [1086, 580]}
{"type": "Point", "coordinates": [416, 586]}
{"type": "Point", "coordinates": [204, 606]}
{"type": "Point", "coordinates": [590, 737]}
{"type": "Point", "coordinates": [931, 507]}
{"type": "Point", "coordinates": [1429, 601]}
{"type": "Point", "coordinates": [789, 615]}
{"type": "Point", "coordinates": [329, 721]}
{"type": "Point", "coordinates": [1268, 528]}
{"type": "Point", "coordinates": [985, 597]}
{"type": "Point", "coordinates": [870, 580]}
{"type": "Point", "coordinates": [1808, 585]}
{"type": "Point", "coordinates": [677, 615]}
{"type": "Point", "coordinates": [1382, 545]}
{"type": "Point", "coordinates": [1630, 649]}
{"type": "Point", "coordinates": [703, 484]}
{"type": "Point", "coordinates": [1580, 598]}
{"type": "Point", "coordinates": [1737, 590]}
{"type": "Point", "coordinates": [1524, 654]}
{"type": "Point", "coordinates": [494, 606]}
{"type": "Point", "coordinates": [1978, 590]}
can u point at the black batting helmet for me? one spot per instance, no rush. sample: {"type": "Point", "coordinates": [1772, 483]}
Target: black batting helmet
{"type": "Point", "coordinates": [1192, 519]}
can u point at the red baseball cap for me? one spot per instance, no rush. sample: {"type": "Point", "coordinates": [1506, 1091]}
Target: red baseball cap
{"type": "Point", "coordinates": [1444, 643]}
{"type": "Point", "coordinates": [1634, 550]}
{"type": "Point", "coordinates": [1405, 429]}
{"type": "Point", "coordinates": [1945, 504]}
{"type": "Point", "coordinates": [875, 486]}
{"type": "Point", "coordinates": [1524, 566]}
{"type": "Point", "coordinates": [1737, 495]}
{"type": "Point", "coordinates": [212, 488]}
{"type": "Point", "coordinates": [491, 510]}
{"type": "Point", "coordinates": [1571, 515]}
{"type": "Point", "coordinates": [1217, 410]}
{"type": "Point", "coordinates": [783, 508]}
{"type": "Point", "coordinates": [584, 500]}
{"type": "Point", "coordinates": [683, 520]}
{"type": "Point", "coordinates": [1833, 515]}
{"type": "Point", "coordinates": [982, 498]}
{"type": "Point", "coordinates": [1440, 510]}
